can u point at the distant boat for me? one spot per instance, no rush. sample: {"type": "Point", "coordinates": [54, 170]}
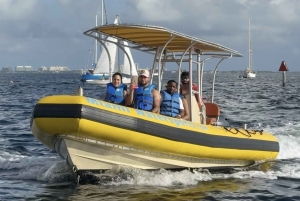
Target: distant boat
{"type": "Point", "coordinates": [101, 73]}
{"type": "Point", "coordinates": [248, 72]}
{"type": "Point", "coordinates": [155, 73]}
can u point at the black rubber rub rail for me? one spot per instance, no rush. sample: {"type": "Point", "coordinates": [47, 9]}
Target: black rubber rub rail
{"type": "Point", "coordinates": [151, 128]}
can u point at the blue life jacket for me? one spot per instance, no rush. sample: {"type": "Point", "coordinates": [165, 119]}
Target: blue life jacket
{"type": "Point", "coordinates": [115, 94]}
{"type": "Point", "coordinates": [143, 98]}
{"type": "Point", "coordinates": [170, 104]}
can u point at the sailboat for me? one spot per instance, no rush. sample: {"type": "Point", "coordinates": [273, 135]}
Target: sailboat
{"type": "Point", "coordinates": [94, 57]}
{"type": "Point", "coordinates": [249, 73]}
{"type": "Point", "coordinates": [155, 73]}
{"type": "Point", "coordinates": [108, 64]}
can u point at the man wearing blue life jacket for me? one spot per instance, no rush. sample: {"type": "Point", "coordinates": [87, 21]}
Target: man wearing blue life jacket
{"type": "Point", "coordinates": [145, 96]}
{"type": "Point", "coordinates": [116, 91]}
{"type": "Point", "coordinates": [172, 103]}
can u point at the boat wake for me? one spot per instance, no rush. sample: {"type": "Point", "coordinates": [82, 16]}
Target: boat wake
{"type": "Point", "coordinates": [39, 169]}
{"type": "Point", "coordinates": [121, 175]}
{"type": "Point", "coordinates": [285, 166]}
{"type": "Point", "coordinates": [58, 172]}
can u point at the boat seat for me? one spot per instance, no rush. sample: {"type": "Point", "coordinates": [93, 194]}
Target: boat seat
{"type": "Point", "coordinates": [212, 113]}
{"type": "Point", "coordinates": [210, 120]}
{"type": "Point", "coordinates": [195, 108]}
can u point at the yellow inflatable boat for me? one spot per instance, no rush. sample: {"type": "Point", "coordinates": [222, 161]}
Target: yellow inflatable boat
{"type": "Point", "coordinates": [95, 135]}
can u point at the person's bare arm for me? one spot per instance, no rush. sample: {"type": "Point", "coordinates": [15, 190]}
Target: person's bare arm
{"type": "Point", "coordinates": [129, 96]}
{"type": "Point", "coordinates": [181, 114]}
{"type": "Point", "coordinates": [156, 99]}
{"type": "Point", "coordinates": [186, 115]}
{"type": "Point", "coordinates": [195, 88]}
{"type": "Point", "coordinates": [125, 95]}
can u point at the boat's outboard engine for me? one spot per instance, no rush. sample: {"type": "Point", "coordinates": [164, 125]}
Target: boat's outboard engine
{"type": "Point", "coordinates": [222, 121]}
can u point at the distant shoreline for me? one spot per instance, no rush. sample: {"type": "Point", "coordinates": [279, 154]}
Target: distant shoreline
{"type": "Point", "coordinates": [48, 72]}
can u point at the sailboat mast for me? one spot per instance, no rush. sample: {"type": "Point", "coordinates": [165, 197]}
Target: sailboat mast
{"type": "Point", "coordinates": [102, 12]}
{"type": "Point", "coordinates": [118, 52]}
{"type": "Point", "coordinates": [250, 52]}
{"type": "Point", "coordinates": [96, 44]}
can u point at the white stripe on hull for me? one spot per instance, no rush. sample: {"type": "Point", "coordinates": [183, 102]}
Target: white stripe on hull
{"type": "Point", "coordinates": [88, 154]}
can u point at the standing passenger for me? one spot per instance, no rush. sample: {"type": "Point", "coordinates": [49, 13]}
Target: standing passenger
{"type": "Point", "coordinates": [116, 91]}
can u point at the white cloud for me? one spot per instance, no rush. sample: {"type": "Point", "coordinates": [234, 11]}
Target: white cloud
{"type": "Point", "coordinates": [17, 9]}
{"type": "Point", "coordinates": [155, 10]}
{"type": "Point", "coordinates": [276, 1]}
{"type": "Point", "coordinates": [273, 23]}
{"type": "Point", "coordinates": [65, 2]}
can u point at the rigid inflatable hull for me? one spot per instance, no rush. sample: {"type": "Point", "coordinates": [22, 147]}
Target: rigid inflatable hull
{"type": "Point", "coordinates": [83, 122]}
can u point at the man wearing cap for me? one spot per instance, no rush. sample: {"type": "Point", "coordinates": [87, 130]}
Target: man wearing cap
{"type": "Point", "coordinates": [145, 96]}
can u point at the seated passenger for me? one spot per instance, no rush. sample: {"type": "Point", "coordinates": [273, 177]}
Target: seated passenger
{"type": "Point", "coordinates": [172, 104]}
{"type": "Point", "coordinates": [116, 91]}
{"type": "Point", "coordinates": [145, 97]}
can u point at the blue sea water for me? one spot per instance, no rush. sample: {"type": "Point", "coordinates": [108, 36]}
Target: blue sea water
{"type": "Point", "coordinates": [30, 171]}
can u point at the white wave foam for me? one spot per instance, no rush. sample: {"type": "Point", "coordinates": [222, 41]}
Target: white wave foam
{"type": "Point", "coordinates": [289, 171]}
{"type": "Point", "coordinates": [13, 161]}
{"type": "Point", "coordinates": [131, 176]}
{"type": "Point", "coordinates": [289, 140]}
{"type": "Point", "coordinates": [51, 171]}
{"type": "Point", "coordinates": [7, 157]}
{"type": "Point", "coordinates": [246, 175]}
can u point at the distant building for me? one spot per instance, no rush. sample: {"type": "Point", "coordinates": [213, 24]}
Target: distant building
{"type": "Point", "coordinates": [28, 68]}
{"type": "Point", "coordinates": [59, 68]}
{"type": "Point", "coordinates": [19, 68]}
{"type": "Point", "coordinates": [42, 69]}
{"type": "Point", "coordinates": [7, 70]}
{"type": "Point", "coordinates": [80, 71]}
{"type": "Point", "coordinates": [23, 69]}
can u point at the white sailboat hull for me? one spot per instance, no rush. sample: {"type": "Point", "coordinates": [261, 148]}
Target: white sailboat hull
{"type": "Point", "coordinates": [104, 82]}
{"type": "Point", "coordinates": [249, 75]}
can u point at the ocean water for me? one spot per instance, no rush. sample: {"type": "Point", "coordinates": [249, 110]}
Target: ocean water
{"type": "Point", "coordinates": [30, 171]}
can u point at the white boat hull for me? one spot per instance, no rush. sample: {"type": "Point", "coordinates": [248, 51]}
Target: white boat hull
{"type": "Point", "coordinates": [104, 82]}
{"type": "Point", "coordinates": [249, 75]}
{"type": "Point", "coordinates": [90, 154]}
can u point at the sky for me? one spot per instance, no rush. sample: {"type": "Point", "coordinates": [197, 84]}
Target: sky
{"type": "Point", "coordinates": [50, 32]}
